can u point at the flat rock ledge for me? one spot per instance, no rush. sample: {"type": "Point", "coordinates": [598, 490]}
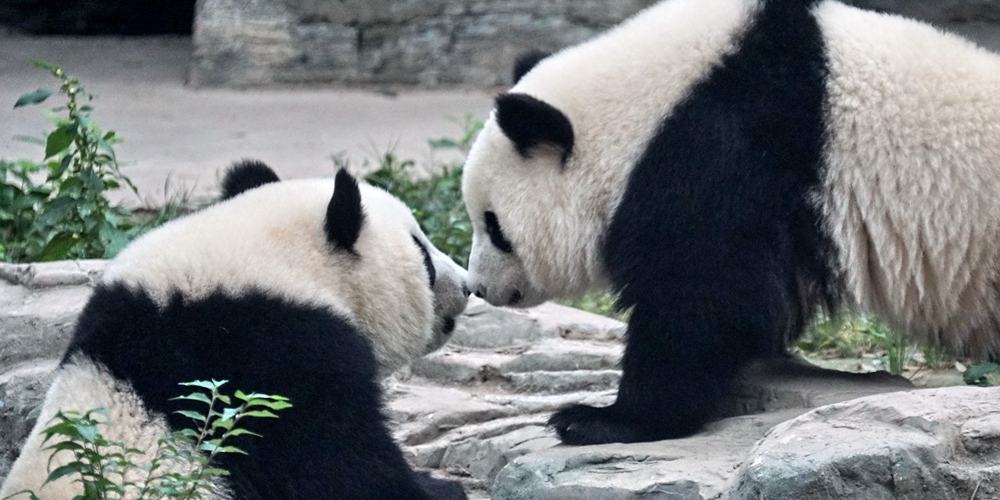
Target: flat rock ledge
{"type": "Point", "coordinates": [475, 411]}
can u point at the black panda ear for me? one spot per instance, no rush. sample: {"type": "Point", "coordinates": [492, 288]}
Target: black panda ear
{"type": "Point", "coordinates": [529, 123]}
{"type": "Point", "coordinates": [526, 61]}
{"type": "Point", "coordinates": [344, 216]}
{"type": "Point", "coordinates": [245, 175]}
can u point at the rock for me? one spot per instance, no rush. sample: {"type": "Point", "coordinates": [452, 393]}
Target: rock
{"type": "Point", "coordinates": [925, 444]}
{"type": "Point", "coordinates": [39, 304]}
{"type": "Point", "coordinates": [442, 42]}
{"type": "Point", "coordinates": [475, 411]}
{"type": "Point", "coordinates": [692, 468]}
{"type": "Point", "coordinates": [417, 42]}
{"type": "Point", "coordinates": [22, 390]}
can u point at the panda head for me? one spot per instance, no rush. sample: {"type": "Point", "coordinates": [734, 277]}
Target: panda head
{"type": "Point", "coordinates": [536, 196]}
{"type": "Point", "coordinates": [334, 243]}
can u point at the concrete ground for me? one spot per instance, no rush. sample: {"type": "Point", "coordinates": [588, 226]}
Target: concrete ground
{"type": "Point", "coordinates": [177, 139]}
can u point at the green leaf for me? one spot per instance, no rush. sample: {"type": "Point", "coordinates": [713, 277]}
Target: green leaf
{"type": "Point", "coordinates": [87, 432]}
{"type": "Point", "coordinates": [204, 384]}
{"type": "Point", "coordinates": [43, 65]}
{"type": "Point", "coordinates": [192, 415]}
{"type": "Point", "coordinates": [195, 396]}
{"type": "Point", "coordinates": [443, 144]}
{"type": "Point", "coordinates": [56, 211]}
{"type": "Point", "coordinates": [61, 169]}
{"type": "Point", "coordinates": [979, 374]}
{"type": "Point", "coordinates": [239, 432]}
{"type": "Point", "coordinates": [115, 240]}
{"type": "Point", "coordinates": [92, 181]}
{"type": "Point", "coordinates": [229, 413]}
{"type": "Point", "coordinates": [260, 414]}
{"type": "Point", "coordinates": [73, 468]}
{"type": "Point", "coordinates": [29, 139]}
{"type": "Point", "coordinates": [57, 248]}
{"type": "Point", "coordinates": [33, 97]}
{"type": "Point", "coordinates": [58, 140]}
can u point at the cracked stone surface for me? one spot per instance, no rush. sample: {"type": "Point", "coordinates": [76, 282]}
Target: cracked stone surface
{"type": "Point", "coordinates": [475, 411]}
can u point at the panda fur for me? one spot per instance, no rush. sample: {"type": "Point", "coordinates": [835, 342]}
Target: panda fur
{"type": "Point", "coordinates": [281, 289]}
{"type": "Point", "coordinates": [730, 166]}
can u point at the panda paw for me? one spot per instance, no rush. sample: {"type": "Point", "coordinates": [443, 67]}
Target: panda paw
{"type": "Point", "coordinates": [583, 425]}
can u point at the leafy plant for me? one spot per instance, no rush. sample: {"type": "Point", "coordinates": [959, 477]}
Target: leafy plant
{"type": "Point", "coordinates": [984, 374]}
{"type": "Point", "coordinates": [67, 216]}
{"type": "Point", "coordinates": [599, 303]}
{"type": "Point", "coordinates": [181, 469]}
{"type": "Point", "coordinates": [837, 336]}
{"type": "Point", "coordinates": [436, 201]}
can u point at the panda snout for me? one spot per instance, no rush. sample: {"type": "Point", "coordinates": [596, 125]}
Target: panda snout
{"type": "Point", "coordinates": [465, 290]}
{"type": "Point", "coordinates": [515, 297]}
{"type": "Point", "coordinates": [481, 291]}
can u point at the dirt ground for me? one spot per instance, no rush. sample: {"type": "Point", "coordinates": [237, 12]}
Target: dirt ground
{"type": "Point", "coordinates": [177, 138]}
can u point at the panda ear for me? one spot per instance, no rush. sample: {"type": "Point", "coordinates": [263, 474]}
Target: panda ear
{"type": "Point", "coordinates": [344, 216]}
{"type": "Point", "coordinates": [529, 123]}
{"type": "Point", "coordinates": [526, 61]}
{"type": "Point", "coordinates": [245, 175]}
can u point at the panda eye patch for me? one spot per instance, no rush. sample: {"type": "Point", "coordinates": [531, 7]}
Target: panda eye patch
{"type": "Point", "coordinates": [428, 263]}
{"type": "Point", "coordinates": [496, 234]}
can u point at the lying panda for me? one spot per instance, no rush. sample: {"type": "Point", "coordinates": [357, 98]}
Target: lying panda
{"type": "Point", "coordinates": [729, 166]}
{"type": "Point", "coordinates": [310, 289]}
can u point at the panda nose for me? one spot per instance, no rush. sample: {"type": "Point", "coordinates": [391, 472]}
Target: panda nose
{"type": "Point", "coordinates": [481, 291]}
{"type": "Point", "coordinates": [465, 290]}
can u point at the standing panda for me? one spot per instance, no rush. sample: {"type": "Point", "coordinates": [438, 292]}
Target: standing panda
{"type": "Point", "coordinates": [729, 166]}
{"type": "Point", "coordinates": [310, 289]}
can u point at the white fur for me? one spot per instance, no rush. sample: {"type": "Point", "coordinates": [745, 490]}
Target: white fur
{"type": "Point", "coordinates": [910, 197]}
{"type": "Point", "coordinates": [556, 217]}
{"type": "Point", "coordinates": [271, 239]}
{"type": "Point", "coordinates": [82, 386]}
{"type": "Point", "coordinates": [912, 192]}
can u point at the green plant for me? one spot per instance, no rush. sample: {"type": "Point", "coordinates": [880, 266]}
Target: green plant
{"type": "Point", "coordinates": [67, 216]}
{"type": "Point", "coordinates": [436, 201]}
{"type": "Point", "coordinates": [898, 351]}
{"type": "Point", "coordinates": [599, 303]}
{"type": "Point", "coordinates": [181, 467]}
{"type": "Point", "coordinates": [836, 336]}
{"type": "Point", "coordinates": [984, 374]}
{"type": "Point", "coordinates": [935, 357]}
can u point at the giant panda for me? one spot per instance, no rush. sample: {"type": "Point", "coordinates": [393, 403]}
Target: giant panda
{"type": "Point", "coordinates": [731, 166]}
{"type": "Point", "coordinates": [310, 289]}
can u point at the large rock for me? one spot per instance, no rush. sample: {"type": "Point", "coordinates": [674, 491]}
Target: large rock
{"type": "Point", "coordinates": [39, 304]}
{"type": "Point", "coordinates": [926, 444]}
{"type": "Point", "coordinates": [476, 410]}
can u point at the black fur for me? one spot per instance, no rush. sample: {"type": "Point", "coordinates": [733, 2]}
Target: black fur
{"type": "Point", "coordinates": [529, 123]}
{"type": "Point", "coordinates": [344, 216]}
{"type": "Point", "coordinates": [715, 243]}
{"type": "Point", "coordinates": [428, 262]}
{"type": "Point", "coordinates": [245, 175]}
{"type": "Point", "coordinates": [497, 237]}
{"type": "Point", "coordinates": [333, 442]}
{"type": "Point", "coordinates": [525, 62]}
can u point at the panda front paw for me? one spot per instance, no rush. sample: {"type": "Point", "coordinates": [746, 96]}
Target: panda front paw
{"type": "Point", "coordinates": [583, 425]}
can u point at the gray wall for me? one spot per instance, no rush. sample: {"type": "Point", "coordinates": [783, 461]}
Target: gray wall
{"type": "Point", "coordinates": [440, 42]}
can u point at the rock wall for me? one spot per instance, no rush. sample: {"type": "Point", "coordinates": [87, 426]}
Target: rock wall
{"type": "Point", "coordinates": [442, 42]}
{"type": "Point", "coordinates": [414, 42]}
